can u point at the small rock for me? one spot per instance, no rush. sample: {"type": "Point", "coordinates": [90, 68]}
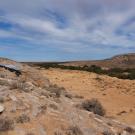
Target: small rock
{"type": "Point", "coordinates": [1, 108]}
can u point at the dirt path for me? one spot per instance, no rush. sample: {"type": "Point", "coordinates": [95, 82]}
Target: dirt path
{"type": "Point", "coordinates": [117, 96]}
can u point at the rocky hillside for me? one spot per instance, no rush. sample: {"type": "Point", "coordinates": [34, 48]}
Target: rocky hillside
{"type": "Point", "coordinates": [116, 95]}
{"type": "Point", "coordinates": [31, 105]}
{"type": "Point", "coordinates": [120, 61]}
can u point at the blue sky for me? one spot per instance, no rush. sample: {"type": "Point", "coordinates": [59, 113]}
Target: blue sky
{"type": "Point", "coordinates": [61, 30]}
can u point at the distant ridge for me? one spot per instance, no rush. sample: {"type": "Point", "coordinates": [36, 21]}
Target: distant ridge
{"type": "Point", "coordinates": [118, 61]}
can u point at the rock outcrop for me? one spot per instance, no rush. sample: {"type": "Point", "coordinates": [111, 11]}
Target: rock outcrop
{"type": "Point", "coordinates": [32, 106]}
{"type": "Point", "coordinates": [1, 108]}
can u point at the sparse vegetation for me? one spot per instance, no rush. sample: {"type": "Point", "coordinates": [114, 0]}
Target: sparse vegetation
{"type": "Point", "coordinates": [21, 85]}
{"type": "Point", "coordinates": [2, 75]}
{"type": "Point", "coordinates": [114, 72]}
{"type": "Point", "coordinates": [107, 133]}
{"type": "Point", "coordinates": [30, 134]}
{"type": "Point", "coordinates": [6, 124]}
{"type": "Point", "coordinates": [94, 106]}
{"type": "Point", "coordinates": [52, 109]}
{"type": "Point", "coordinates": [43, 108]}
{"type": "Point", "coordinates": [17, 85]}
{"type": "Point", "coordinates": [1, 99]}
{"type": "Point", "coordinates": [53, 106]}
{"type": "Point", "coordinates": [78, 96]}
{"type": "Point", "coordinates": [56, 90]}
{"type": "Point", "coordinates": [74, 130]}
{"type": "Point", "coordinates": [3, 82]}
{"type": "Point", "coordinates": [68, 95]}
{"type": "Point", "coordinates": [57, 133]}
{"type": "Point", "coordinates": [23, 119]}
{"type": "Point", "coordinates": [130, 130]}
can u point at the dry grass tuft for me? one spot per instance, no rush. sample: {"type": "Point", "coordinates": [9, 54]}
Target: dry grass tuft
{"type": "Point", "coordinates": [56, 90]}
{"type": "Point", "coordinates": [107, 133]}
{"type": "Point", "coordinates": [130, 130]}
{"type": "Point", "coordinates": [74, 130]}
{"type": "Point", "coordinates": [6, 124]}
{"type": "Point", "coordinates": [23, 119]}
{"type": "Point", "coordinates": [94, 106]}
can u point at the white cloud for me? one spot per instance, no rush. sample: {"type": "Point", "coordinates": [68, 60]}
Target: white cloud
{"type": "Point", "coordinates": [89, 22]}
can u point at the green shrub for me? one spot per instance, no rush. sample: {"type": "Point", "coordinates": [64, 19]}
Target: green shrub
{"type": "Point", "coordinates": [114, 72]}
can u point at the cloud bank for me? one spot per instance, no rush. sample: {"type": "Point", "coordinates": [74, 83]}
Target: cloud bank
{"type": "Point", "coordinates": [66, 30]}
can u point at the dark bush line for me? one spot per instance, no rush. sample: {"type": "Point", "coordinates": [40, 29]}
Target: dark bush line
{"type": "Point", "coordinates": [114, 72]}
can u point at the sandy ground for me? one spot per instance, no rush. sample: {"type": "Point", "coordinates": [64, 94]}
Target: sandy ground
{"type": "Point", "coordinates": [116, 95]}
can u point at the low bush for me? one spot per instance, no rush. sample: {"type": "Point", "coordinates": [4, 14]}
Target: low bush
{"type": "Point", "coordinates": [30, 134]}
{"type": "Point", "coordinates": [2, 99]}
{"type": "Point", "coordinates": [43, 108]}
{"type": "Point", "coordinates": [130, 130]}
{"type": "Point", "coordinates": [17, 85]}
{"type": "Point", "coordinates": [4, 82]}
{"type": "Point", "coordinates": [107, 133]}
{"type": "Point", "coordinates": [6, 124]}
{"type": "Point", "coordinates": [68, 95]}
{"type": "Point", "coordinates": [21, 85]}
{"type": "Point", "coordinates": [74, 130]}
{"type": "Point", "coordinates": [23, 119]}
{"type": "Point", "coordinates": [2, 76]}
{"type": "Point", "coordinates": [78, 96]}
{"type": "Point", "coordinates": [94, 106]}
{"type": "Point", "coordinates": [53, 106]}
{"type": "Point", "coordinates": [56, 90]}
